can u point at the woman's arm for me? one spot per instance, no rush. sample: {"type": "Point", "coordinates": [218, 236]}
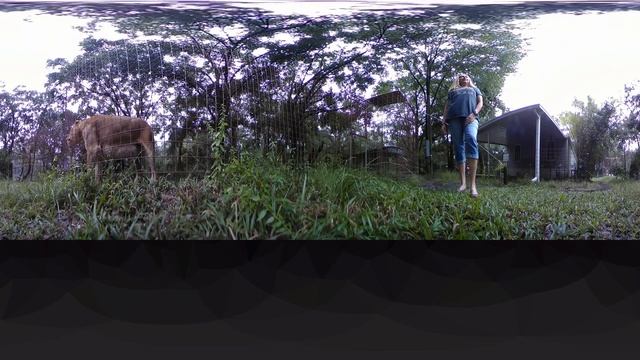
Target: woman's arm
{"type": "Point", "coordinates": [444, 117]}
{"type": "Point", "coordinates": [475, 112]}
{"type": "Point", "coordinates": [478, 105]}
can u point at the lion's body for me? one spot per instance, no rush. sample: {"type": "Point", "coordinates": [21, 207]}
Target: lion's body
{"type": "Point", "coordinates": [121, 152]}
{"type": "Point", "coordinates": [113, 137]}
{"type": "Point", "coordinates": [121, 155]}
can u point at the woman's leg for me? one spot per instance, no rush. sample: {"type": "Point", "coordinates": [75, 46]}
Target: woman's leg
{"type": "Point", "coordinates": [457, 137]}
{"type": "Point", "coordinates": [462, 176]}
{"type": "Point", "coordinates": [472, 153]}
{"type": "Point", "coordinates": [473, 166]}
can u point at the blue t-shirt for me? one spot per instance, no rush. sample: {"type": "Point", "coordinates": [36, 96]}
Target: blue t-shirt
{"type": "Point", "coordinates": [462, 102]}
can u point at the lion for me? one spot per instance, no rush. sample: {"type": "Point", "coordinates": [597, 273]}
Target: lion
{"type": "Point", "coordinates": [120, 154]}
{"type": "Point", "coordinates": [108, 137]}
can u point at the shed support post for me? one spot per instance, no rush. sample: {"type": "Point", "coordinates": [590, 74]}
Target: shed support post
{"type": "Point", "coordinates": [488, 167]}
{"type": "Point", "coordinates": [567, 166]}
{"type": "Point", "coordinates": [537, 169]}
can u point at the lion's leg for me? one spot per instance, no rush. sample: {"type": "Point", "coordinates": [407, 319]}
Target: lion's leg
{"type": "Point", "coordinates": [149, 150]}
{"type": "Point", "coordinates": [93, 160]}
{"type": "Point", "coordinates": [97, 170]}
{"type": "Point", "coordinates": [137, 160]}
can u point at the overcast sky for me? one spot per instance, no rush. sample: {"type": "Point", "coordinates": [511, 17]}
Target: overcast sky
{"type": "Point", "coordinates": [573, 56]}
{"type": "Point", "coordinates": [568, 56]}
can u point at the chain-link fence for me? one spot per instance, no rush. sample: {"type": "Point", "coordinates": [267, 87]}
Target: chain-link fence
{"type": "Point", "coordinates": [203, 104]}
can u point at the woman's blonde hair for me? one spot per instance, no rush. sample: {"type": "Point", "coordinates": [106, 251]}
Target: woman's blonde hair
{"type": "Point", "coordinates": [456, 82]}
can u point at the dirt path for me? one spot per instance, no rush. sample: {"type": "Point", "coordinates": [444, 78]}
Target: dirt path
{"type": "Point", "coordinates": [598, 187]}
{"type": "Point", "coordinates": [439, 185]}
{"type": "Point", "coordinates": [453, 186]}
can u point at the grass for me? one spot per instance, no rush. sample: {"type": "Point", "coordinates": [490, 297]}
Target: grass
{"type": "Point", "coordinates": [259, 199]}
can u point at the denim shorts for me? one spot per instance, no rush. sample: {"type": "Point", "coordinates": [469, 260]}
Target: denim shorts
{"type": "Point", "coordinates": [465, 139]}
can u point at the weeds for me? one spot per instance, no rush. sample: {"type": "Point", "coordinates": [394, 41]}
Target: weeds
{"type": "Point", "coordinates": [255, 197]}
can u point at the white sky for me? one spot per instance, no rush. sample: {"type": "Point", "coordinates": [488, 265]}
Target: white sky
{"type": "Point", "coordinates": [27, 45]}
{"type": "Point", "coordinates": [573, 56]}
{"type": "Point", "coordinates": [568, 56]}
{"type": "Point", "coordinates": [29, 39]}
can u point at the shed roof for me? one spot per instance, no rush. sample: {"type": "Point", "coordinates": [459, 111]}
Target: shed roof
{"type": "Point", "coordinates": [392, 97]}
{"type": "Point", "coordinates": [494, 130]}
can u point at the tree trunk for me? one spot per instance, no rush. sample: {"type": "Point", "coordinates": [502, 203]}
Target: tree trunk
{"type": "Point", "coordinates": [450, 159]}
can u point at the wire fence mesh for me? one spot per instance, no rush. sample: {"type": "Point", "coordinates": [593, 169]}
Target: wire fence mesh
{"type": "Point", "coordinates": [187, 92]}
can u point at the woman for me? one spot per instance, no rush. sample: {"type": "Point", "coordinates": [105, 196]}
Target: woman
{"type": "Point", "coordinates": [461, 109]}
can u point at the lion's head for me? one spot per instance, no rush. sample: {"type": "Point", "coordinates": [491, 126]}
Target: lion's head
{"type": "Point", "coordinates": [75, 134]}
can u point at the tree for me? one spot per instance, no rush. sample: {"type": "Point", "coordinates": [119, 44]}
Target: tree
{"type": "Point", "coordinates": [634, 167]}
{"type": "Point", "coordinates": [18, 117]}
{"type": "Point", "coordinates": [632, 122]}
{"type": "Point", "coordinates": [427, 55]}
{"type": "Point", "coordinates": [592, 128]}
{"type": "Point", "coordinates": [325, 54]}
{"type": "Point", "coordinates": [117, 77]}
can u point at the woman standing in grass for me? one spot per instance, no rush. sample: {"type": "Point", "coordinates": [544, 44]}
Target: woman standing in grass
{"type": "Point", "coordinates": [461, 109]}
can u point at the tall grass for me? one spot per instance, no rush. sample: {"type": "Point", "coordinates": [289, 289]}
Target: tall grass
{"type": "Point", "coordinates": [258, 198]}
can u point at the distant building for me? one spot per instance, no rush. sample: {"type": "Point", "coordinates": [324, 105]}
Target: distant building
{"type": "Point", "coordinates": [388, 160]}
{"type": "Point", "coordinates": [536, 146]}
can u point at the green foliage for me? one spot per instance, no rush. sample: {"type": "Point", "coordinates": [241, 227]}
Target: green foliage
{"type": "Point", "coordinates": [256, 197]}
{"type": "Point", "coordinates": [5, 164]}
{"type": "Point", "coordinates": [426, 56]}
{"type": "Point", "coordinates": [634, 167]}
{"type": "Point", "coordinates": [628, 129]}
{"type": "Point", "coordinates": [114, 77]}
{"type": "Point", "coordinates": [217, 147]}
{"type": "Point", "coordinates": [592, 130]}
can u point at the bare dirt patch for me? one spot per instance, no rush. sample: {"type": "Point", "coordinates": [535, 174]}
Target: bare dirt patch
{"type": "Point", "coordinates": [588, 188]}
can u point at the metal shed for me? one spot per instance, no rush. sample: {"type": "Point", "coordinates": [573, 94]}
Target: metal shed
{"type": "Point", "coordinates": [536, 146]}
